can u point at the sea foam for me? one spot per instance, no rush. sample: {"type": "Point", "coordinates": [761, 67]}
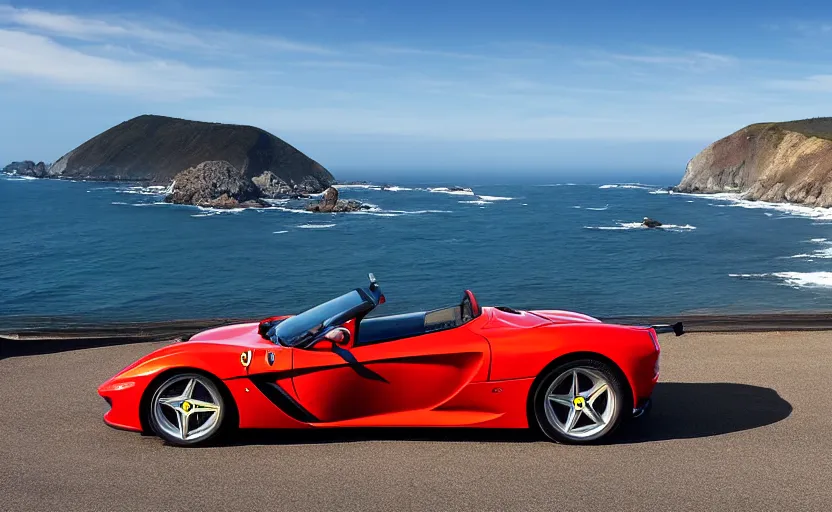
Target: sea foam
{"type": "Point", "coordinates": [316, 226]}
{"type": "Point", "coordinates": [638, 225]}
{"type": "Point", "coordinates": [495, 198]}
{"type": "Point", "coordinates": [736, 200]}
{"type": "Point", "coordinates": [794, 279]}
{"type": "Point", "coordinates": [641, 186]}
{"type": "Point", "coordinates": [824, 253]}
{"type": "Point", "coordinates": [446, 190]}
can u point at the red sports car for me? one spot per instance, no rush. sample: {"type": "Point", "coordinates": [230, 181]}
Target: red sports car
{"type": "Point", "coordinates": [569, 374]}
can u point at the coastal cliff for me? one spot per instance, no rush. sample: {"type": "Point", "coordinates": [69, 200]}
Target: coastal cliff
{"type": "Point", "coordinates": [776, 162]}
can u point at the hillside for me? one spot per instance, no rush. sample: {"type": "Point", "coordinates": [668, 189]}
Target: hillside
{"type": "Point", "coordinates": [156, 148]}
{"type": "Point", "coordinates": [776, 162]}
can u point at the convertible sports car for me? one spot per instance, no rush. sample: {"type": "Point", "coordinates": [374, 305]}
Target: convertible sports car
{"type": "Point", "coordinates": [570, 375]}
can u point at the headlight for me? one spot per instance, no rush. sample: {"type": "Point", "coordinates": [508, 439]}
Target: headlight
{"type": "Point", "coordinates": [118, 386]}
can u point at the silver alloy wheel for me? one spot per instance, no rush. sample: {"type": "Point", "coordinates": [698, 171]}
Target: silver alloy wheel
{"type": "Point", "coordinates": [187, 407]}
{"type": "Point", "coordinates": [580, 403]}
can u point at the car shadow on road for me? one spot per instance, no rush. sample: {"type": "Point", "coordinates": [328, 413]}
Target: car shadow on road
{"type": "Point", "coordinates": [683, 410]}
{"type": "Point", "coordinates": [680, 411]}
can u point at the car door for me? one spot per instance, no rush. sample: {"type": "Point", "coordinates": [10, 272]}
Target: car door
{"type": "Point", "coordinates": [411, 374]}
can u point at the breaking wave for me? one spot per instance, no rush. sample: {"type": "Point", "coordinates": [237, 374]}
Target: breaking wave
{"type": "Point", "coordinates": [446, 190]}
{"type": "Point", "coordinates": [316, 226]}
{"type": "Point", "coordinates": [824, 253]}
{"type": "Point", "coordinates": [359, 185]}
{"type": "Point", "coordinates": [145, 191]}
{"type": "Point", "coordinates": [638, 225]}
{"type": "Point", "coordinates": [495, 198]}
{"type": "Point", "coordinates": [794, 279]}
{"type": "Point", "coordinates": [596, 209]}
{"type": "Point", "coordinates": [285, 209]}
{"type": "Point", "coordinates": [16, 177]}
{"type": "Point", "coordinates": [736, 200]}
{"type": "Point", "coordinates": [641, 186]}
{"type": "Point", "coordinates": [377, 212]}
{"type": "Point", "coordinates": [156, 203]}
{"type": "Point", "coordinates": [370, 186]}
{"type": "Point", "coordinates": [210, 212]}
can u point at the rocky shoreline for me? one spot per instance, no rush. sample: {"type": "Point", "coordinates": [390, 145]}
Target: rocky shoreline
{"type": "Point", "coordinates": [202, 164]}
{"type": "Point", "coordinates": [27, 168]}
{"type": "Point", "coordinates": [218, 184]}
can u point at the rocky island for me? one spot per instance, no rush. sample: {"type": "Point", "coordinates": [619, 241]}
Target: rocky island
{"type": "Point", "coordinates": [775, 162]}
{"type": "Point", "coordinates": [330, 203]}
{"type": "Point", "coordinates": [27, 168]}
{"type": "Point", "coordinates": [204, 164]}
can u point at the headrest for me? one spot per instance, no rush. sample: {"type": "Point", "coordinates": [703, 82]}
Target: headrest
{"type": "Point", "coordinates": [476, 310]}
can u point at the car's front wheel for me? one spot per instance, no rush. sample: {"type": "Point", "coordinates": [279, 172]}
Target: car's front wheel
{"type": "Point", "coordinates": [579, 402]}
{"type": "Point", "coordinates": [187, 409]}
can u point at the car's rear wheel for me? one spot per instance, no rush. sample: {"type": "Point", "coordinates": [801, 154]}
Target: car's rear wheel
{"type": "Point", "coordinates": [579, 402]}
{"type": "Point", "coordinates": [187, 409]}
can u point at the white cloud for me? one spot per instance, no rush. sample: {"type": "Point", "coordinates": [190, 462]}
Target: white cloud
{"type": "Point", "coordinates": [694, 60]}
{"type": "Point", "coordinates": [476, 91]}
{"type": "Point", "coordinates": [37, 59]}
{"type": "Point", "coordinates": [814, 83]}
{"type": "Point", "coordinates": [161, 33]}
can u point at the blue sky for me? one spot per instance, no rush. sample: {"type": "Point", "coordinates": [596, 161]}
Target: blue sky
{"type": "Point", "coordinates": [505, 87]}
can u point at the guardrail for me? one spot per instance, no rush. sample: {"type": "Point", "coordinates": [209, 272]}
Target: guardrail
{"type": "Point", "coordinates": [46, 335]}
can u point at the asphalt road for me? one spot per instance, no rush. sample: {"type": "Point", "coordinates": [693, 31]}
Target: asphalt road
{"type": "Point", "coordinates": [741, 422]}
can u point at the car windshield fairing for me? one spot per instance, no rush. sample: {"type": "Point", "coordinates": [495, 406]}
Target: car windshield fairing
{"type": "Point", "coordinates": [302, 328]}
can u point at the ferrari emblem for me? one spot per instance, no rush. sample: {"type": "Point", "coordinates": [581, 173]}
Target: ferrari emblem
{"type": "Point", "coordinates": [270, 358]}
{"type": "Point", "coordinates": [245, 358]}
{"type": "Point", "coordinates": [186, 406]}
{"type": "Point", "coordinates": [579, 402]}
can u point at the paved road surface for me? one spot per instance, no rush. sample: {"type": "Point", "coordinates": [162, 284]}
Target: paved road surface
{"type": "Point", "coordinates": [741, 422]}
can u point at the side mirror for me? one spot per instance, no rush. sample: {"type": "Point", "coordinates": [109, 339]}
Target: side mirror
{"type": "Point", "coordinates": [340, 336]}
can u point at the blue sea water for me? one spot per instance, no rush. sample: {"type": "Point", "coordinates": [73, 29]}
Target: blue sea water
{"type": "Point", "coordinates": [104, 252]}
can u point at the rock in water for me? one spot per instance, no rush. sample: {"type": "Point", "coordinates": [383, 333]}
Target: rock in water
{"type": "Point", "coordinates": [650, 223]}
{"type": "Point", "coordinates": [156, 148]}
{"type": "Point", "coordinates": [330, 203]}
{"type": "Point", "coordinates": [271, 186]}
{"type": "Point", "coordinates": [27, 168]}
{"type": "Point", "coordinates": [777, 162]}
{"type": "Point", "coordinates": [329, 199]}
{"type": "Point", "coordinates": [214, 184]}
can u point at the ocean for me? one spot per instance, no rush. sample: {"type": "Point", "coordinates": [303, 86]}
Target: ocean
{"type": "Point", "coordinates": [102, 252]}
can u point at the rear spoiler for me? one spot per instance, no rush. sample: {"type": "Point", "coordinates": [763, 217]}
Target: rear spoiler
{"type": "Point", "coordinates": [676, 328]}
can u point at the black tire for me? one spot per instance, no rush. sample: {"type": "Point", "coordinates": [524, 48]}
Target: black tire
{"type": "Point", "coordinates": [553, 415]}
{"type": "Point", "coordinates": [165, 419]}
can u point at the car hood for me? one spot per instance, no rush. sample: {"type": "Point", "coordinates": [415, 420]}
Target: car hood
{"type": "Point", "coordinates": [218, 349]}
{"type": "Point", "coordinates": [237, 334]}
